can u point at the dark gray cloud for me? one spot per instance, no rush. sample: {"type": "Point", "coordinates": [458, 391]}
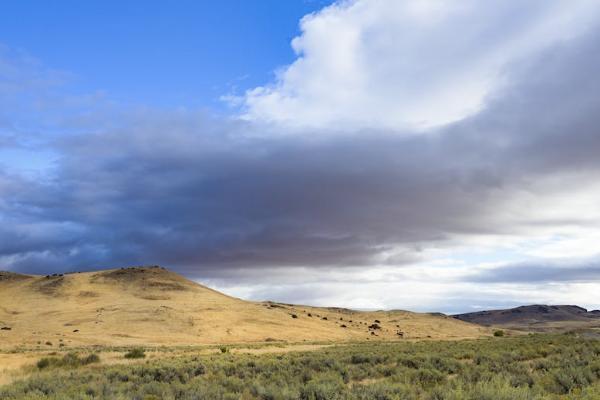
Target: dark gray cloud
{"type": "Point", "coordinates": [206, 196]}
{"type": "Point", "coordinates": [540, 272]}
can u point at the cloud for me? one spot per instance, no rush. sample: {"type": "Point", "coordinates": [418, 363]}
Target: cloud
{"type": "Point", "coordinates": [364, 217]}
{"type": "Point", "coordinates": [406, 65]}
{"type": "Point", "coordinates": [541, 271]}
{"type": "Point", "coordinates": [202, 194]}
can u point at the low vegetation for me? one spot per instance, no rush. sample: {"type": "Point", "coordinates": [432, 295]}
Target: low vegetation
{"type": "Point", "coordinates": [70, 360]}
{"type": "Point", "coordinates": [507, 368]}
{"type": "Point", "coordinates": [135, 353]}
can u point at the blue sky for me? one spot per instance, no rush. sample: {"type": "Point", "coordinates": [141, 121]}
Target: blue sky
{"type": "Point", "coordinates": [419, 154]}
{"type": "Point", "coordinates": [184, 53]}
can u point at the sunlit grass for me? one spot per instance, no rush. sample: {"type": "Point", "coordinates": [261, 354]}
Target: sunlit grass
{"type": "Point", "coordinates": [528, 367]}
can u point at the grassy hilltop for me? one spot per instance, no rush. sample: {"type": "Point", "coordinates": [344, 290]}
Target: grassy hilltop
{"type": "Point", "coordinates": [154, 306]}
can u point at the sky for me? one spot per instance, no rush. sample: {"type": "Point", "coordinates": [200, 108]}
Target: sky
{"type": "Point", "coordinates": [375, 154]}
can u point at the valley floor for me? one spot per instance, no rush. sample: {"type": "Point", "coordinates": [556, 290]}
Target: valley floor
{"type": "Point", "coordinates": [524, 367]}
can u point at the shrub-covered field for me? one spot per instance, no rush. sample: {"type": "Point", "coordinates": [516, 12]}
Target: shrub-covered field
{"type": "Point", "coordinates": [529, 367]}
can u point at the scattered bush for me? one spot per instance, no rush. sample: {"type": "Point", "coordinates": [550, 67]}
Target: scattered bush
{"type": "Point", "coordinates": [92, 358]}
{"type": "Point", "coordinates": [499, 333]}
{"type": "Point", "coordinates": [71, 360]}
{"type": "Point", "coordinates": [135, 353]}
{"type": "Point", "coordinates": [43, 363]}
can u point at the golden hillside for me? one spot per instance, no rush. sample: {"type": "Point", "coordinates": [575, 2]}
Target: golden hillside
{"type": "Point", "coordinates": [154, 306]}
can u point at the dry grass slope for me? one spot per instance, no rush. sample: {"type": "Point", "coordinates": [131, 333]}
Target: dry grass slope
{"type": "Point", "coordinates": [154, 306]}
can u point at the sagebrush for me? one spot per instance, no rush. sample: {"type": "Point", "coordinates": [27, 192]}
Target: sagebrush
{"type": "Point", "coordinates": [529, 367]}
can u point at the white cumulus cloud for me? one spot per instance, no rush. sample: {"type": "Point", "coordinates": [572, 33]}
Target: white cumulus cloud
{"type": "Point", "coordinates": [408, 64]}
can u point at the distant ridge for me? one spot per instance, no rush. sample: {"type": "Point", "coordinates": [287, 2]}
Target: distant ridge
{"type": "Point", "coordinates": [538, 317]}
{"type": "Point", "coordinates": [155, 306]}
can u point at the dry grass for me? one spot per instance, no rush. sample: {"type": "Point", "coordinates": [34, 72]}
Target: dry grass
{"type": "Point", "coordinates": [156, 307]}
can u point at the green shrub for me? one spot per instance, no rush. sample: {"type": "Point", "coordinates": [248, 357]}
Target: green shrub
{"type": "Point", "coordinates": [71, 360]}
{"type": "Point", "coordinates": [43, 363]}
{"type": "Point", "coordinates": [428, 377]}
{"type": "Point", "coordinates": [92, 358]}
{"type": "Point", "coordinates": [499, 333]}
{"type": "Point", "coordinates": [135, 353]}
{"type": "Point", "coordinates": [359, 359]}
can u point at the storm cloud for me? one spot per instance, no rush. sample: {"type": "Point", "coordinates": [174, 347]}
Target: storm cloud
{"type": "Point", "coordinates": [201, 192]}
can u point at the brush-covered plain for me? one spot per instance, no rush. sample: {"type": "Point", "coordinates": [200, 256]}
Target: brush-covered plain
{"type": "Point", "coordinates": [526, 367]}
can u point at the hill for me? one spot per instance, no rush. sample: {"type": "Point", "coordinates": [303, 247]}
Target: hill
{"type": "Point", "coordinates": [536, 318]}
{"type": "Point", "coordinates": [154, 306]}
